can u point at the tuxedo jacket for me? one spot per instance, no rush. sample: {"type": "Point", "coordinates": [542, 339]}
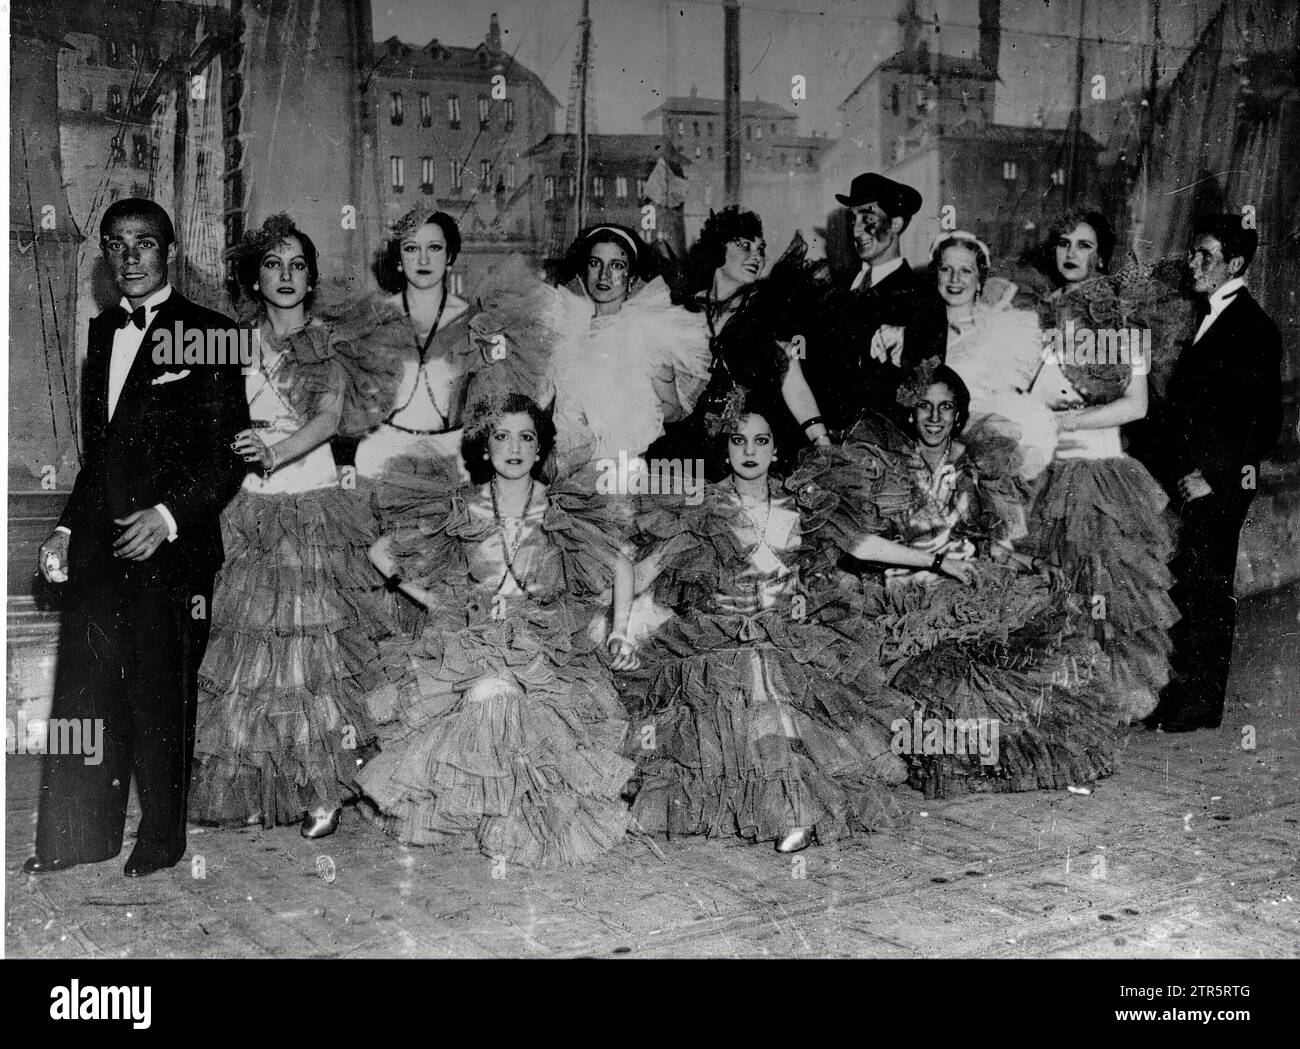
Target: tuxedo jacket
{"type": "Point", "coordinates": [1223, 408]}
{"type": "Point", "coordinates": [849, 378]}
{"type": "Point", "coordinates": [168, 442]}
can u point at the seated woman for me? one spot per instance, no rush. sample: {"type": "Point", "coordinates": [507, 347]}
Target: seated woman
{"type": "Point", "coordinates": [608, 351]}
{"type": "Point", "coordinates": [1098, 512]}
{"type": "Point", "coordinates": [996, 349]}
{"type": "Point", "coordinates": [296, 617]}
{"type": "Point", "coordinates": [504, 727]}
{"type": "Point", "coordinates": [753, 321]}
{"type": "Point", "coordinates": [1004, 656]}
{"type": "Point", "coordinates": [754, 692]}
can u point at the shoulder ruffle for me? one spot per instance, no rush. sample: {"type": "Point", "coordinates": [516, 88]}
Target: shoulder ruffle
{"type": "Point", "coordinates": [854, 489]}
{"type": "Point", "coordinates": [423, 504]}
{"type": "Point", "coordinates": [590, 527]}
{"type": "Point", "coordinates": [665, 332]}
{"type": "Point", "coordinates": [996, 462]}
{"type": "Point", "coordinates": [517, 323]}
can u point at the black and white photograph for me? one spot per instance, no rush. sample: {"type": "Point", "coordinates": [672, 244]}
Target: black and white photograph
{"type": "Point", "coordinates": [654, 479]}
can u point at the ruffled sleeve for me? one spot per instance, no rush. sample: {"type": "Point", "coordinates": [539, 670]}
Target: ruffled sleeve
{"type": "Point", "coordinates": [370, 382]}
{"type": "Point", "coordinates": [698, 542]}
{"type": "Point", "coordinates": [670, 336]}
{"type": "Point", "coordinates": [317, 376]}
{"type": "Point", "coordinates": [423, 502]}
{"type": "Point", "coordinates": [589, 526]}
{"type": "Point", "coordinates": [845, 493]}
{"type": "Point", "coordinates": [517, 323]}
{"type": "Point", "coordinates": [996, 465]}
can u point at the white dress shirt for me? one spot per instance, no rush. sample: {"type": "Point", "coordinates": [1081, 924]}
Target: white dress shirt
{"type": "Point", "coordinates": [126, 344]}
{"type": "Point", "coordinates": [1219, 300]}
{"type": "Point", "coordinates": [874, 274]}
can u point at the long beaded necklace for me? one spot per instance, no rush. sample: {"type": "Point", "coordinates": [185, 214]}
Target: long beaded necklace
{"type": "Point", "coordinates": [269, 375]}
{"type": "Point", "coordinates": [506, 549]}
{"type": "Point", "coordinates": [767, 517]}
{"type": "Point", "coordinates": [422, 352]}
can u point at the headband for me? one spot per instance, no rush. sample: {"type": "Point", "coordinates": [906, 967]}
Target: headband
{"type": "Point", "coordinates": [966, 235]}
{"type": "Point", "coordinates": [635, 256]}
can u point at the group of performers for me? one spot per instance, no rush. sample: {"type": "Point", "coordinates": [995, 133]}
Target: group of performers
{"type": "Point", "coordinates": [434, 603]}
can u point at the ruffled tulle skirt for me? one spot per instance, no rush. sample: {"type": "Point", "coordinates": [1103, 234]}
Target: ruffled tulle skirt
{"type": "Point", "coordinates": [504, 734]}
{"type": "Point", "coordinates": [1006, 699]}
{"type": "Point", "coordinates": [294, 645]}
{"type": "Point", "coordinates": [1001, 682]}
{"type": "Point", "coordinates": [1104, 521]}
{"type": "Point", "coordinates": [755, 725]}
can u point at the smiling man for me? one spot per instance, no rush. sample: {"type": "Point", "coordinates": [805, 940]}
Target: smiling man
{"type": "Point", "coordinates": [891, 318]}
{"type": "Point", "coordinates": [136, 548]}
{"type": "Point", "coordinates": [1222, 416]}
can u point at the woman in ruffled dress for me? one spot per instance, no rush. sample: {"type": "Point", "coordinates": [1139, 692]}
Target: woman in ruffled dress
{"type": "Point", "coordinates": [756, 692]}
{"type": "Point", "coordinates": [608, 350]}
{"type": "Point", "coordinates": [504, 728]}
{"type": "Point", "coordinates": [1009, 656]}
{"type": "Point", "coordinates": [420, 323]}
{"type": "Point", "coordinates": [281, 720]}
{"type": "Point", "coordinates": [995, 348]}
{"type": "Point", "coordinates": [753, 321]}
{"type": "Point", "coordinates": [1098, 512]}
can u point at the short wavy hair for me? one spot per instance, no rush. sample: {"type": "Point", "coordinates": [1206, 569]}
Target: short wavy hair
{"type": "Point", "coordinates": [483, 415]}
{"type": "Point", "coordinates": [961, 239]}
{"type": "Point", "coordinates": [388, 268]}
{"type": "Point", "coordinates": [246, 256]}
{"type": "Point", "coordinates": [1067, 221]}
{"type": "Point", "coordinates": [927, 374]}
{"type": "Point", "coordinates": [710, 250]}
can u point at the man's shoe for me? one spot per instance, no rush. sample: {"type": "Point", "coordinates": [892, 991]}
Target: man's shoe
{"type": "Point", "coordinates": [142, 862]}
{"type": "Point", "coordinates": [37, 865]}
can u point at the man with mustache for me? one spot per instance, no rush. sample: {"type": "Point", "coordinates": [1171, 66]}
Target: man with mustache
{"type": "Point", "coordinates": [889, 318]}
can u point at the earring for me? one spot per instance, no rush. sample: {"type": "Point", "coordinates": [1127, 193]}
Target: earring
{"type": "Point", "coordinates": [257, 286]}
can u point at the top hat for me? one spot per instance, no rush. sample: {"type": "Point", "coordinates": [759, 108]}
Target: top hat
{"type": "Point", "coordinates": [893, 198]}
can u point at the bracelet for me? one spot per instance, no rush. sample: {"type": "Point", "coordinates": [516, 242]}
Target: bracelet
{"type": "Point", "coordinates": [269, 467]}
{"type": "Point", "coordinates": [937, 564]}
{"type": "Point", "coordinates": [812, 420]}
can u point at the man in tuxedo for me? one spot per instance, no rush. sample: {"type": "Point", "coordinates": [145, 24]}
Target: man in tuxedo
{"type": "Point", "coordinates": [1222, 415]}
{"type": "Point", "coordinates": [137, 548]}
{"type": "Point", "coordinates": [892, 317]}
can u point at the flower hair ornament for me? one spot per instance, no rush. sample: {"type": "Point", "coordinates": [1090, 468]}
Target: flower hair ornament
{"type": "Point", "coordinates": [729, 413]}
{"type": "Point", "coordinates": [479, 417]}
{"type": "Point", "coordinates": [257, 242]}
{"type": "Point", "coordinates": [912, 392]}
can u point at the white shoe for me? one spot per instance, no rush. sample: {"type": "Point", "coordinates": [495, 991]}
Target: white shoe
{"type": "Point", "coordinates": [797, 840]}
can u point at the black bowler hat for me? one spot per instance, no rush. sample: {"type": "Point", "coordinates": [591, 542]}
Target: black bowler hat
{"type": "Point", "coordinates": [893, 198]}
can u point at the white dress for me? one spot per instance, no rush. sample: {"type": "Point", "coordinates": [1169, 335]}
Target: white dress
{"type": "Point", "coordinates": [603, 371]}
{"type": "Point", "coordinates": [997, 355]}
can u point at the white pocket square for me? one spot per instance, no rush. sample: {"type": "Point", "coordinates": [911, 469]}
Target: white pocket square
{"type": "Point", "coordinates": [169, 377]}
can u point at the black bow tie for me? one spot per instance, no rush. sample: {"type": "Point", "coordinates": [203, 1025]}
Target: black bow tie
{"type": "Point", "coordinates": [123, 317]}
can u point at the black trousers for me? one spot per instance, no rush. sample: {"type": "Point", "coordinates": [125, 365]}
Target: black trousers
{"type": "Point", "coordinates": [129, 656]}
{"type": "Point", "coordinates": [1203, 570]}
